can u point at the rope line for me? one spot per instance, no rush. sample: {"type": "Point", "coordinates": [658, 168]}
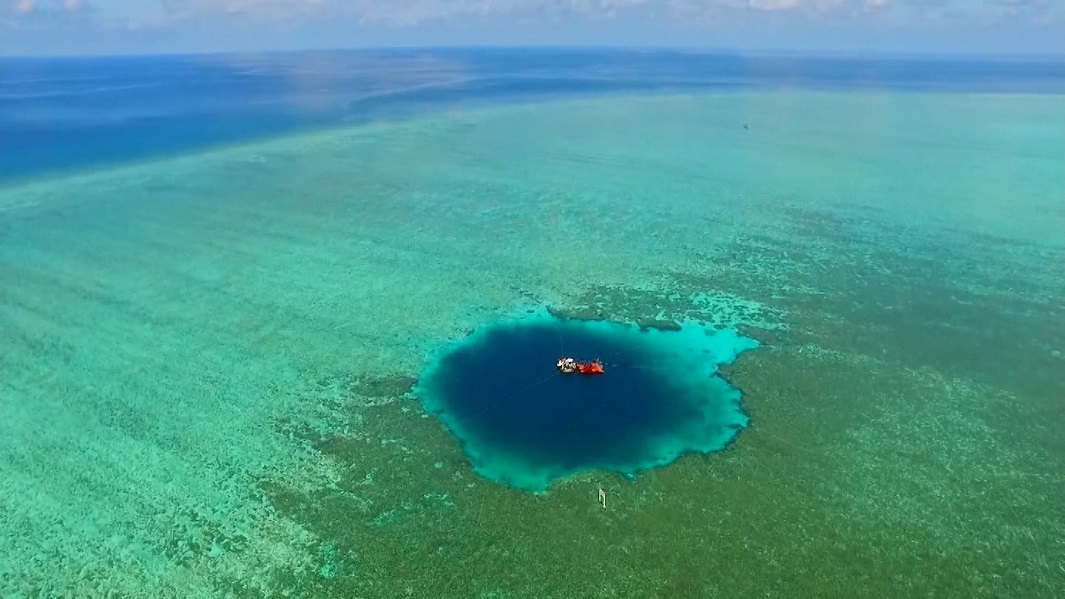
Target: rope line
{"type": "Point", "coordinates": [514, 394]}
{"type": "Point", "coordinates": [562, 347]}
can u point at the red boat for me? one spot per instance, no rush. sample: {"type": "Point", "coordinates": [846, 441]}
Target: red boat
{"type": "Point", "coordinates": [570, 366]}
{"type": "Point", "coordinates": [593, 367]}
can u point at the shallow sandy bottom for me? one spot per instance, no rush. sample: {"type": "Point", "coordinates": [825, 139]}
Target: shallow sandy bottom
{"type": "Point", "coordinates": [206, 360]}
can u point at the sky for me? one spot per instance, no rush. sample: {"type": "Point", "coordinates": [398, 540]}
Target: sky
{"type": "Point", "coordinates": [94, 27]}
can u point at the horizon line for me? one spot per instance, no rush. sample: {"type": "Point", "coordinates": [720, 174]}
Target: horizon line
{"type": "Point", "coordinates": [704, 50]}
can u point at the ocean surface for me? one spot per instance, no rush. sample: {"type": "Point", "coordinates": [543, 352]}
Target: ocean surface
{"type": "Point", "coordinates": [223, 277]}
{"type": "Point", "coordinates": [65, 114]}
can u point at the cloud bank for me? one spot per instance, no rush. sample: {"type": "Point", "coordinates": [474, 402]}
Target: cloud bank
{"type": "Point", "coordinates": [414, 12]}
{"type": "Point", "coordinates": [655, 22]}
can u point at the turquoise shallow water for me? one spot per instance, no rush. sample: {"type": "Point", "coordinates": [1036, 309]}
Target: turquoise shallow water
{"type": "Point", "coordinates": [207, 359]}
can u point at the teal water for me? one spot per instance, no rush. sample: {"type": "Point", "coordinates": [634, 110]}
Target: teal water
{"type": "Point", "coordinates": [207, 360]}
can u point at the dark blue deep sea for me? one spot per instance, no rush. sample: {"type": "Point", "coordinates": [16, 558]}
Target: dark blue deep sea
{"type": "Point", "coordinates": [61, 114]}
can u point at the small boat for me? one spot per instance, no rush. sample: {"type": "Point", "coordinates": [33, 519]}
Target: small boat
{"type": "Point", "coordinates": [570, 366]}
{"type": "Point", "coordinates": [593, 367]}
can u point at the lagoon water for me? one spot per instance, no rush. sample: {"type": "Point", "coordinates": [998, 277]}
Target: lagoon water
{"type": "Point", "coordinates": [224, 279]}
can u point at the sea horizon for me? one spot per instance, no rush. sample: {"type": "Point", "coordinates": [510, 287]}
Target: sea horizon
{"type": "Point", "coordinates": [1055, 56]}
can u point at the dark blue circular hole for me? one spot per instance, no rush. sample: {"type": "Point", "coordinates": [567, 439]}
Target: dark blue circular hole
{"type": "Point", "coordinates": [524, 423]}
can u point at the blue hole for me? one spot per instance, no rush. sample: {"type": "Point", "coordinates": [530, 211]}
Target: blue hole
{"type": "Point", "coordinates": [523, 423]}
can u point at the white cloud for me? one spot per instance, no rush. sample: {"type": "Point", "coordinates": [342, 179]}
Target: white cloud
{"type": "Point", "coordinates": [410, 12]}
{"type": "Point", "coordinates": [28, 7]}
{"type": "Point", "coordinates": [117, 15]}
{"type": "Point", "coordinates": [774, 4]}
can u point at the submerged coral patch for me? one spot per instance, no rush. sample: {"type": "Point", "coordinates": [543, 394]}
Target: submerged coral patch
{"type": "Point", "coordinates": [523, 423]}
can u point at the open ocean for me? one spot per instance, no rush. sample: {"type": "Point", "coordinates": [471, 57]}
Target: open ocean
{"type": "Point", "coordinates": [78, 113]}
{"type": "Point", "coordinates": [222, 278]}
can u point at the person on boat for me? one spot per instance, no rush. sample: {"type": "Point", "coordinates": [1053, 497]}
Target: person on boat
{"type": "Point", "coordinates": [567, 365]}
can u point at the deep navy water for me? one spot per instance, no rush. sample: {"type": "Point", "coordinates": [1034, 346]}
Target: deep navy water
{"type": "Point", "coordinates": [523, 423]}
{"type": "Point", "coordinates": [59, 114]}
